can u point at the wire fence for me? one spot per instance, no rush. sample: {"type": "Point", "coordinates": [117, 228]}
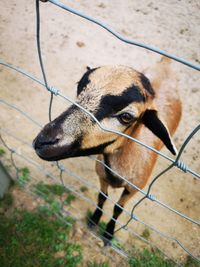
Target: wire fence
{"type": "Point", "coordinates": [63, 170]}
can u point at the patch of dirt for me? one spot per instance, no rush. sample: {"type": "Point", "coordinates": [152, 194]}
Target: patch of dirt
{"type": "Point", "coordinates": [69, 44]}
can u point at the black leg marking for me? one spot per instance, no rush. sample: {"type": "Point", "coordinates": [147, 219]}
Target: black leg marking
{"type": "Point", "coordinates": [108, 235]}
{"type": "Point", "coordinates": [94, 220]}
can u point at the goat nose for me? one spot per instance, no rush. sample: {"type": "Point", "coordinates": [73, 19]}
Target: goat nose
{"type": "Point", "coordinates": [42, 141]}
{"type": "Point", "coordinates": [49, 136]}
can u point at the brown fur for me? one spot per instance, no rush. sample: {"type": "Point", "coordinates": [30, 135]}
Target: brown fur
{"type": "Point", "coordinates": [74, 133]}
{"type": "Point", "coordinates": [135, 161]}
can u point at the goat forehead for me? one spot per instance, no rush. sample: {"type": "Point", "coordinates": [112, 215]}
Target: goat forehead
{"type": "Point", "coordinates": [111, 89]}
{"type": "Point", "coordinates": [89, 99]}
{"type": "Point", "coordinates": [113, 79]}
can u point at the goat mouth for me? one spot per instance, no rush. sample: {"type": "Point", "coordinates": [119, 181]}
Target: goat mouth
{"type": "Point", "coordinates": [49, 157]}
{"type": "Point", "coordinates": [52, 153]}
{"type": "Point", "coordinates": [55, 152]}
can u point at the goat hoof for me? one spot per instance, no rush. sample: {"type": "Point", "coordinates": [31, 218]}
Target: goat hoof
{"type": "Point", "coordinates": [106, 242]}
{"type": "Point", "coordinates": [91, 224]}
{"type": "Point", "coordinates": [107, 239]}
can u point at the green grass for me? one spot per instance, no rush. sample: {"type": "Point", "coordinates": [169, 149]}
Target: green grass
{"type": "Point", "coordinates": [102, 228]}
{"type": "Point", "coordinates": [40, 238]}
{"type": "Point", "coordinates": [68, 200]}
{"type": "Point", "coordinates": [6, 202]}
{"type": "Point", "coordinates": [2, 152]}
{"type": "Point", "coordinates": [49, 191]}
{"type": "Point", "coordinates": [23, 176]}
{"type": "Point", "coordinates": [35, 238]}
{"type": "Point", "coordinates": [147, 258]}
{"type": "Point", "coordinates": [55, 189]}
{"type": "Point", "coordinates": [83, 188]}
{"type": "Point", "coordinates": [96, 264]}
{"type": "Point", "coordinates": [146, 234]}
{"type": "Point", "coordinates": [190, 262]}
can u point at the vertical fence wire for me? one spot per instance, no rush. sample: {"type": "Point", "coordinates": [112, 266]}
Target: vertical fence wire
{"type": "Point", "coordinates": [54, 91]}
{"type": "Point", "coordinates": [57, 180]}
{"type": "Point", "coordinates": [69, 172]}
{"type": "Point", "coordinates": [151, 198]}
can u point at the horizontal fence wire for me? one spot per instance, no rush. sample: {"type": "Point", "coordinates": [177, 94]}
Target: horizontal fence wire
{"type": "Point", "coordinates": [85, 182]}
{"type": "Point", "coordinates": [151, 198]}
{"type": "Point", "coordinates": [57, 92]}
{"type": "Point", "coordinates": [146, 194]}
{"type": "Point", "coordinates": [64, 212]}
{"type": "Point", "coordinates": [132, 216]}
{"type": "Point", "coordinates": [62, 169]}
{"type": "Point", "coordinates": [123, 39]}
{"type": "Point", "coordinates": [57, 180]}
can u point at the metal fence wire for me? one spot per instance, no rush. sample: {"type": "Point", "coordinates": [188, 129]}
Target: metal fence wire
{"type": "Point", "coordinates": [64, 170]}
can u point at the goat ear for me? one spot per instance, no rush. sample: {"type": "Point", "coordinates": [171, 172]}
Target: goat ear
{"type": "Point", "coordinates": [152, 122]}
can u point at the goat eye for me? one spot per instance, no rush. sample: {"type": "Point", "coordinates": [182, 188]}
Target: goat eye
{"type": "Point", "coordinates": [125, 118]}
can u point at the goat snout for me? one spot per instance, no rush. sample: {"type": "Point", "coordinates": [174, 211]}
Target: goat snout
{"type": "Point", "coordinates": [42, 141]}
{"type": "Point", "coordinates": [50, 135]}
{"type": "Point", "coordinates": [47, 140]}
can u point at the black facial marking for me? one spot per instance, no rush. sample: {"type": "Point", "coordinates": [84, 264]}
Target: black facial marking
{"type": "Point", "coordinates": [93, 150]}
{"type": "Point", "coordinates": [147, 85]}
{"type": "Point", "coordinates": [75, 150]}
{"type": "Point", "coordinates": [60, 119]}
{"type": "Point", "coordinates": [53, 129]}
{"type": "Point", "coordinates": [111, 104]}
{"type": "Point", "coordinates": [48, 135]}
{"type": "Point", "coordinates": [84, 80]}
{"type": "Point", "coordinates": [114, 180]}
{"type": "Point", "coordinates": [58, 153]}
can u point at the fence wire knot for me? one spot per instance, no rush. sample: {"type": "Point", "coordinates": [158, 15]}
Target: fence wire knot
{"type": "Point", "coordinates": [181, 165]}
{"type": "Point", "coordinates": [61, 168]}
{"type": "Point", "coordinates": [53, 90]}
{"type": "Point", "coordinates": [134, 217]}
{"type": "Point", "coordinates": [151, 197]}
{"type": "Point", "coordinates": [12, 151]}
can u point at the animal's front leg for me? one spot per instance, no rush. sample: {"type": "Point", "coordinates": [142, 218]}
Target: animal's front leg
{"type": "Point", "coordinates": [108, 235]}
{"type": "Point", "coordinates": [95, 218]}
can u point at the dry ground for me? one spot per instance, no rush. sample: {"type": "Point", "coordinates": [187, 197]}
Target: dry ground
{"type": "Point", "coordinates": [69, 44]}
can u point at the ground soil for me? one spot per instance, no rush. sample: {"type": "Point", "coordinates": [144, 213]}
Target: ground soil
{"type": "Point", "coordinates": [69, 44]}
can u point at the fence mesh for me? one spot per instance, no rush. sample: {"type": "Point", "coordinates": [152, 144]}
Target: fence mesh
{"type": "Point", "coordinates": [57, 176]}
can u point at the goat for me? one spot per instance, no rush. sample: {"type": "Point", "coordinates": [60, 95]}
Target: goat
{"type": "Point", "coordinates": [124, 100]}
